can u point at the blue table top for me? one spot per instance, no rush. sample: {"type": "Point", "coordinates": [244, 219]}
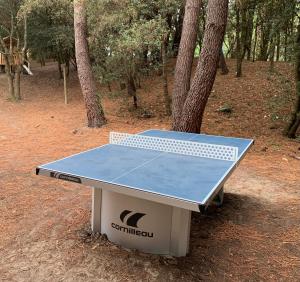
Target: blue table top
{"type": "Point", "coordinates": [187, 178]}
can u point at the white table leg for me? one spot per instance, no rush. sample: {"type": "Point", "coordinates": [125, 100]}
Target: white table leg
{"type": "Point", "coordinates": [180, 232]}
{"type": "Point", "coordinates": [96, 209]}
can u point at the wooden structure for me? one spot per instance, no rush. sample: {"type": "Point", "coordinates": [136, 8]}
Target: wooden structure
{"type": "Point", "coordinates": [17, 55]}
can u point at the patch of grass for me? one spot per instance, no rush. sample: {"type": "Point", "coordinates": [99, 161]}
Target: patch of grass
{"type": "Point", "coordinates": [226, 109]}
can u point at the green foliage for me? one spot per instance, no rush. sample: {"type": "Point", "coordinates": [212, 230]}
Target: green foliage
{"type": "Point", "coordinates": [50, 29]}
{"type": "Point", "coordinates": [10, 25]}
{"type": "Point", "coordinates": [125, 38]}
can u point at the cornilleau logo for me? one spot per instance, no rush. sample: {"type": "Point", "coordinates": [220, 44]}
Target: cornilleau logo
{"type": "Point", "coordinates": [131, 219]}
{"type": "Point", "coordinates": [66, 177]}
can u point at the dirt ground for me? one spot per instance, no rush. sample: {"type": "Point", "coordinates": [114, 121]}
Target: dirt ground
{"type": "Point", "coordinates": [44, 223]}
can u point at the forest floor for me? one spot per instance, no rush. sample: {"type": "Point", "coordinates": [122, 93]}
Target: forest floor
{"type": "Point", "coordinates": [44, 223]}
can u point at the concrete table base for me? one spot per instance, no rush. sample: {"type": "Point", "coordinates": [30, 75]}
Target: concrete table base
{"type": "Point", "coordinates": [143, 225]}
{"type": "Point", "coordinates": [140, 224]}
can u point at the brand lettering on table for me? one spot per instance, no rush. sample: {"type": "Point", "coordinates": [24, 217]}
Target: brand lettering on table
{"type": "Point", "coordinates": [65, 177]}
{"type": "Point", "coordinates": [131, 220]}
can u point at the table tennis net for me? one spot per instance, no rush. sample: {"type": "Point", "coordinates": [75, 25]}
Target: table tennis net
{"type": "Point", "coordinates": [190, 148]}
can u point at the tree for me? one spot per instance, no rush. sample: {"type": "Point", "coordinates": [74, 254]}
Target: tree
{"type": "Point", "coordinates": [295, 120]}
{"type": "Point", "coordinates": [13, 32]}
{"type": "Point", "coordinates": [164, 46]}
{"type": "Point", "coordinates": [50, 31]}
{"type": "Point", "coordinates": [95, 114]}
{"type": "Point", "coordinates": [244, 29]}
{"type": "Point", "coordinates": [185, 58]}
{"type": "Point", "coordinates": [126, 39]}
{"type": "Point", "coordinates": [178, 21]}
{"type": "Point", "coordinates": [195, 102]}
{"type": "Point", "coordinates": [239, 56]}
{"type": "Point", "coordinates": [222, 64]}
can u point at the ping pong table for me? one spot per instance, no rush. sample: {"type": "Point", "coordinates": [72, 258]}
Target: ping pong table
{"type": "Point", "coordinates": [146, 185]}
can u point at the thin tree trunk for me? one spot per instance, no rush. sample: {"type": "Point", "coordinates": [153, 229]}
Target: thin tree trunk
{"type": "Point", "coordinates": [272, 55]}
{"type": "Point", "coordinates": [249, 25]}
{"type": "Point", "coordinates": [18, 81]}
{"type": "Point", "coordinates": [109, 86]}
{"type": "Point", "coordinates": [131, 89]}
{"type": "Point", "coordinates": [11, 88]}
{"type": "Point", "coordinates": [67, 65]}
{"type": "Point", "coordinates": [178, 32]}
{"type": "Point", "coordinates": [255, 43]}
{"type": "Point", "coordinates": [95, 114]}
{"type": "Point", "coordinates": [60, 71]}
{"type": "Point", "coordinates": [194, 106]}
{"type": "Point", "coordinates": [165, 75]}
{"type": "Point", "coordinates": [238, 44]}
{"type": "Point", "coordinates": [285, 44]}
{"type": "Point", "coordinates": [222, 63]}
{"type": "Point", "coordinates": [8, 70]}
{"type": "Point", "coordinates": [278, 47]}
{"type": "Point", "coordinates": [137, 81]}
{"type": "Point", "coordinates": [20, 61]}
{"type": "Point", "coordinates": [185, 58]}
{"type": "Point", "coordinates": [65, 84]}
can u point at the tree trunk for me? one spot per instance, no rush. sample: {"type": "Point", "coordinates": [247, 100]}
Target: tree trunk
{"type": "Point", "coordinates": [295, 120]}
{"type": "Point", "coordinates": [238, 44]}
{"type": "Point", "coordinates": [8, 59]}
{"type": "Point", "coordinates": [203, 81]}
{"type": "Point", "coordinates": [95, 114]}
{"type": "Point", "coordinates": [165, 75]}
{"type": "Point", "coordinates": [222, 63]}
{"type": "Point", "coordinates": [60, 71]}
{"type": "Point", "coordinates": [248, 27]}
{"type": "Point", "coordinates": [278, 47]}
{"type": "Point", "coordinates": [178, 31]}
{"type": "Point", "coordinates": [272, 55]}
{"type": "Point", "coordinates": [185, 58]}
{"type": "Point", "coordinates": [255, 43]}
{"type": "Point", "coordinates": [67, 65]}
{"type": "Point", "coordinates": [65, 84]}
{"type": "Point", "coordinates": [285, 45]}
{"type": "Point", "coordinates": [18, 82]}
{"type": "Point", "coordinates": [266, 30]}
{"type": "Point", "coordinates": [131, 89]}
{"type": "Point", "coordinates": [11, 88]}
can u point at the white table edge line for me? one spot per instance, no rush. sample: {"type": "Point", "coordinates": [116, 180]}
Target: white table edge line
{"type": "Point", "coordinates": [124, 186]}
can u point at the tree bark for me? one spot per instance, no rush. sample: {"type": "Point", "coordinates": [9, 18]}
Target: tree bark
{"type": "Point", "coordinates": [178, 31]}
{"type": "Point", "coordinates": [95, 114]}
{"type": "Point", "coordinates": [278, 46]}
{"type": "Point", "coordinates": [185, 58]}
{"type": "Point", "coordinates": [8, 70]}
{"type": "Point", "coordinates": [11, 88]}
{"type": "Point", "coordinates": [131, 89]}
{"type": "Point", "coordinates": [255, 42]}
{"type": "Point", "coordinates": [272, 55]}
{"type": "Point", "coordinates": [248, 27]}
{"type": "Point", "coordinates": [222, 63]}
{"type": "Point", "coordinates": [239, 55]}
{"type": "Point", "coordinates": [60, 71]}
{"type": "Point", "coordinates": [203, 81]}
{"type": "Point", "coordinates": [18, 82]}
{"type": "Point", "coordinates": [285, 44]}
{"type": "Point", "coordinates": [295, 120]}
{"type": "Point", "coordinates": [165, 75]}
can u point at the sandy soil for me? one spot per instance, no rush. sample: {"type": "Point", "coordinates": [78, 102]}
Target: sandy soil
{"type": "Point", "coordinates": [44, 223]}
